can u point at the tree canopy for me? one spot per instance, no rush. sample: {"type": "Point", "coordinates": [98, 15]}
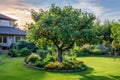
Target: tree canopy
{"type": "Point", "coordinates": [62, 27]}
{"type": "Point", "coordinates": [104, 30]}
{"type": "Point", "coordinates": [116, 31]}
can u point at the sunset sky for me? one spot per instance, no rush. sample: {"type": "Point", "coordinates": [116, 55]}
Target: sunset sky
{"type": "Point", "coordinates": [20, 9]}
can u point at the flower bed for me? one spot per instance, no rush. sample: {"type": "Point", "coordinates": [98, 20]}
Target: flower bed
{"type": "Point", "coordinates": [55, 70]}
{"type": "Point", "coordinates": [33, 61]}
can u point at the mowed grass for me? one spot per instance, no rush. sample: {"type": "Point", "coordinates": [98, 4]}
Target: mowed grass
{"type": "Point", "coordinates": [100, 68]}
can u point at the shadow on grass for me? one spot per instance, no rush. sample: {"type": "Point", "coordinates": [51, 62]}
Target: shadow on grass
{"type": "Point", "coordinates": [94, 77]}
{"type": "Point", "coordinates": [115, 77]}
{"type": "Point", "coordinates": [87, 75]}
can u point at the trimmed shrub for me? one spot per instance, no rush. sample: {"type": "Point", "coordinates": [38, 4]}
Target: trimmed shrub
{"type": "Point", "coordinates": [25, 52]}
{"type": "Point", "coordinates": [32, 58]}
{"type": "Point", "coordinates": [13, 53]}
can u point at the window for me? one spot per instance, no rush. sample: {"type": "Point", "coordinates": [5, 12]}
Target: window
{"type": "Point", "coordinates": [17, 38]}
{"type": "Point", "coordinates": [23, 37]}
{"type": "Point", "coordinates": [0, 39]}
{"type": "Point", "coordinates": [4, 39]}
{"type": "Point", "coordinates": [4, 23]}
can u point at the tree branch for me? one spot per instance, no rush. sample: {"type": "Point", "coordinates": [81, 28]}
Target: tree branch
{"type": "Point", "coordinates": [62, 45]}
{"type": "Point", "coordinates": [70, 46]}
{"type": "Point", "coordinates": [56, 44]}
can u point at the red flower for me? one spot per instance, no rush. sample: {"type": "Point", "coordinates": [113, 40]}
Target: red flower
{"type": "Point", "coordinates": [66, 67]}
{"type": "Point", "coordinates": [50, 67]}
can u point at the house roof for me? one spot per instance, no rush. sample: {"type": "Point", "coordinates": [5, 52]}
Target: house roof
{"type": "Point", "coordinates": [11, 31]}
{"type": "Point", "coordinates": [4, 17]}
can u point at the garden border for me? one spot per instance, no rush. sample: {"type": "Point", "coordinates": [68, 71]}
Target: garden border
{"type": "Point", "coordinates": [54, 70]}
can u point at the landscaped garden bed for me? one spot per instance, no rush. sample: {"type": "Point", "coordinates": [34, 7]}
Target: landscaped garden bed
{"type": "Point", "coordinates": [50, 64]}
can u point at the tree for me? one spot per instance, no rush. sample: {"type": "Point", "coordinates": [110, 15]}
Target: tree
{"type": "Point", "coordinates": [104, 30]}
{"type": "Point", "coordinates": [62, 27]}
{"type": "Point", "coordinates": [116, 36]}
{"type": "Point", "coordinates": [115, 46]}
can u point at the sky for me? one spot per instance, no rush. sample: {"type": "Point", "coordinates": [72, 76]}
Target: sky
{"type": "Point", "coordinates": [20, 9]}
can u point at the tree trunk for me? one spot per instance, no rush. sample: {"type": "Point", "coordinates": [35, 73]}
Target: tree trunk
{"type": "Point", "coordinates": [115, 54]}
{"type": "Point", "coordinates": [59, 55]}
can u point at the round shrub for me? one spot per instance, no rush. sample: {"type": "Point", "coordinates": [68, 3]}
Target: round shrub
{"type": "Point", "coordinates": [25, 52]}
{"type": "Point", "coordinates": [32, 58]}
{"type": "Point", "coordinates": [13, 53]}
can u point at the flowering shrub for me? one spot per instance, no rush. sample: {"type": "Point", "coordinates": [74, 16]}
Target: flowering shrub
{"type": "Point", "coordinates": [64, 65]}
{"type": "Point", "coordinates": [51, 64]}
{"type": "Point", "coordinates": [32, 58]}
{"type": "Point", "coordinates": [54, 65]}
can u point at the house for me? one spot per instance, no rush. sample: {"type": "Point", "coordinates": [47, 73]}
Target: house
{"type": "Point", "coordinates": [9, 34]}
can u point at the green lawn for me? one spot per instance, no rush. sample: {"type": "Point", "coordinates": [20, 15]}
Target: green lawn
{"type": "Point", "coordinates": [101, 68]}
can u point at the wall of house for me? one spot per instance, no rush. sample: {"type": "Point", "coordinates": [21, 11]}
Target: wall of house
{"type": "Point", "coordinates": [9, 40]}
{"type": "Point", "coordinates": [6, 23]}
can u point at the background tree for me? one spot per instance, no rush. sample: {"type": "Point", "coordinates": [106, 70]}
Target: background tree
{"type": "Point", "coordinates": [62, 27]}
{"type": "Point", "coordinates": [116, 36]}
{"type": "Point", "coordinates": [104, 30]}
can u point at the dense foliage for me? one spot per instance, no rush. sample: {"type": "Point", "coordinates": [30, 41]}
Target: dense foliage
{"type": "Point", "coordinates": [49, 63]}
{"type": "Point", "coordinates": [13, 53]}
{"type": "Point", "coordinates": [25, 52]}
{"type": "Point", "coordinates": [115, 35]}
{"type": "Point", "coordinates": [62, 27]}
{"type": "Point", "coordinates": [25, 44]}
{"type": "Point", "coordinates": [19, 53]}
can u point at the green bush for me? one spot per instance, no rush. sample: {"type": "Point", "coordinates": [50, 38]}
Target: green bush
{"type": "Point", "coordinates": [40, 64]}
{"type": "Point", "coordinates": [32, 58]}
{"type": "Point", "coordinates": [31, 46]}
{"type": "Point", "coordinates": [25, 52]}
{"type": "Point", "coordinates": [13, 53]}
{"type": "Point", "coordinates": [24, 44]}
{"type": "Point", "coordinates": [49, 58]}
{"type": "Point", "coordinates": [97, 52]}
{"type": "Point", "coordinates": [42, 53]}
{"type": "Point", "coordinates": [67, 65]}
{"type": "Point", "coordinates": [80, 53]}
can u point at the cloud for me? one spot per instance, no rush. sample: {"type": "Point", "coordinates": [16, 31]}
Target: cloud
{"type": "Point", "coordinates": [17, 10]}
{"type": "Point", "coordinates": [90, 6]}
{"type": "Point", "coordinates": [111, 16]}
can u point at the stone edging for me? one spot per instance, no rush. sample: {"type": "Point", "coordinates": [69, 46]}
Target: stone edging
{"type": "Point", "coordinates": [54, 70]}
